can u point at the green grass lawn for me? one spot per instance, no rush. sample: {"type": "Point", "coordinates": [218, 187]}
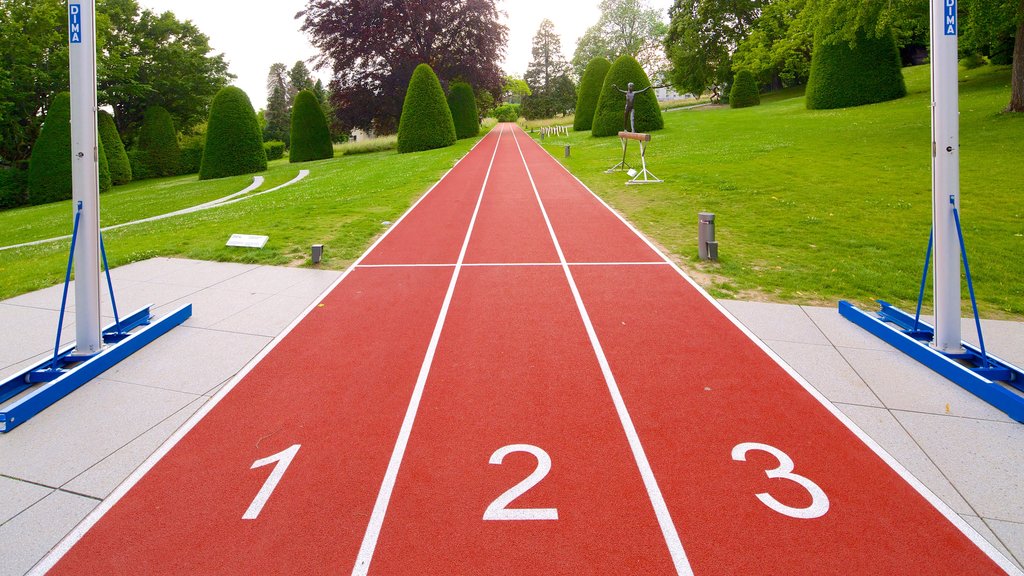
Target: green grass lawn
{"type": "Point", "coordinates": [341, 204]}
{"type": "Point", "coordinates": [817, 206]}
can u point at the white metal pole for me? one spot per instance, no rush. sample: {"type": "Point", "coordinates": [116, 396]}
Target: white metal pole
{"type": "Point", "coordinates": [945, 173]}
{"type": "Point", "coordinates": [85, 174]}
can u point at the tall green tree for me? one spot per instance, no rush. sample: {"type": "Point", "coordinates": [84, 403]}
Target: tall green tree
{"type": "Point", "coordinates": [278, 111]}
{"type": "Point", "coordinates": [515, 89]}
{"type": "Point", "coordinates": [700, 39]}
{"type": "Point", "coordinates": [778, 49]}
{"type": "Point", "coordinates": [625, 27]}
{"type": "Point", "coordinates": [299, 78]}
{"type": "Point", "coordinates": [995, 28]}
{"type": "Point", "coordinates": [547, 76]}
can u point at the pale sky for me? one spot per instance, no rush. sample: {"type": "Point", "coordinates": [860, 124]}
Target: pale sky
{"type": "Point", "coordinates": [253, 36]}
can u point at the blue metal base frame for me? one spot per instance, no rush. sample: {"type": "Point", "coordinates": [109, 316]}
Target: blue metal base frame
{"type": "Point", "coordinates": [55, 379]}
{"type": "Point", "coordinates": [995, 381]}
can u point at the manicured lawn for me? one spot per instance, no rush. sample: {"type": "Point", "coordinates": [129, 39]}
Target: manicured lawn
{"type": "Point", "coordinates": [817, 206]}
{"type": "Point", "coordinates": [342, 204]}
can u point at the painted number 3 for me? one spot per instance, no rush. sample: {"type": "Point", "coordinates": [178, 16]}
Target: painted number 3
{"type": "Point", "coordinates": [819, 501]}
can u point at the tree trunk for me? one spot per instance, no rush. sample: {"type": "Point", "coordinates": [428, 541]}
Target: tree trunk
{"type": "Point", "coordinates": [1017, 80]}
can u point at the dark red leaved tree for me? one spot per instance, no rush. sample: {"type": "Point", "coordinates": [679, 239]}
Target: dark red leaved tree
{"type": "Point", "coordinates": [373, 46]}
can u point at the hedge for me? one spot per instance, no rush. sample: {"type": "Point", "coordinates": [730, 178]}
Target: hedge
{"type": "Point", "coordinates": [158, 154]}
{"type": "Point", "coordinates": [104, 167]}
{"type": "Point", "coordinates": [426, 121]}
{"type": "Point", "coordinates": [191, 153]}
{"type": "Point", "coordinates": [590, 92]}
{"type": "Point", "coordinates": [608, 118]}
{"type": "Point", "coordinates": [864, 73]}
{"type": "Point", "coordinates": [310, 136]}
{"type": "Point", "coordinates": [744, 92]}
{"type": "Point", "coordinates": [462, 103]}
{"type": "Point", "coordinates": [49, 166]}
{"type": "Point", "coordinates": [13, 188]}
{"type": "Point", "coordinates": [234, 141]}
{"type": "Point", "coordinates": [506, 113]}
{"type": "Point", "coordinates": [117, 158]}
{"type": "Point", "coordinates": [274, 149]}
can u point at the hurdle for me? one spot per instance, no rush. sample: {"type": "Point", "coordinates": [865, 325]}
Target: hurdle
{"type": "Point", "coordinates": [644, 176]}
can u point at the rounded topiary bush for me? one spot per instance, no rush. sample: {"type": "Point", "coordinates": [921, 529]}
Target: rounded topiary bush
{"type": "Point", "coordinates": [506, 113]}
{"type": "Point", "coordinates": [117, 158]}
{"type": "Point", "coordinates": [158, 144]}
{"type": "Point", "coordinates": [844, 75]}
{"type": "Point", "coordinates": [234, 141]}
{"type": "Point", "coordinates": [426, 120]}
{"type": "Point", "coordinates": [608, 118]}
{"type": "Point", "coordinates": [104, 167]}
{"type": "Point", "coordinates": [744, 90]}
{"type": "Point", "coordinates": [590, 92]}
{"type": "Point", "coordinates": [274, 149]}
{"type": "Point", "coordinates": [311, 139]}
{"type": "Point", "coordinates": [462, 103]}
{"type": "Point", "coordinates": [49, 167]}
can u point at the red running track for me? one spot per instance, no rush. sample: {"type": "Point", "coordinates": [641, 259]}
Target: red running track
{"type": "Point", "coordinates": [513, 381]}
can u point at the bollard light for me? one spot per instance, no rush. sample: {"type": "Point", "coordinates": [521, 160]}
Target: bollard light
{"type": "Point", "coordinates": [318, 253]}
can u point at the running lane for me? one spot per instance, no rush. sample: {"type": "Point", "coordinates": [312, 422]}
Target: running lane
{"type": "Point", "coordinates": [758, 474]}
{"type": "Point", "coordinates": [305, 432]}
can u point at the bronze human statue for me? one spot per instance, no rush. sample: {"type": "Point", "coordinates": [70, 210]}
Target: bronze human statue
{"type": "Point", "coordinates": [627, 119]}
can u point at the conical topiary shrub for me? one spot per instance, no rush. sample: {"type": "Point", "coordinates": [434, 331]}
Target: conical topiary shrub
{"type": "Point", "coordinates": [744, 91]}
{"type": "Point", "coordinates": [589, 93]}
{"type": "Point", "coordinates": [311, 139]}
{"type": "Point", "coordinates": [462, 103]}
{"type": "Point", "coordinates": [117, 158]}
{"type": "Point", "coordinates": [844, 75]}
{"type": "Point", "coordinates": [104, 166]}
{"type": "Point", "coordinates": [608, 118]}
{"type": "Point", "coordinates": [234, 141]}
{"type": "Point", "coordinates": [158, 143]}
{"type": "Point", "coordinates": [426, 120]}
{"type": "Point", "coordinates": [49, 166]}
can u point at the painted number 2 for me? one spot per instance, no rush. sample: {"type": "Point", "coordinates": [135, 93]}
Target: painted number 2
{"type": "Point", "coordinates": [819, 501]}
{"type": "Point", "coordinates": [499, 510]}
{"type": "Point", "coordinates": [283, 459]}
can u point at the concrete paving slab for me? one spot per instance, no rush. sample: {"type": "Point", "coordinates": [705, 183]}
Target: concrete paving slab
{"type": "Point", "coordinates": [18, 496]}
{"type": "Point", "coordinates": [268, 280]}
{"type": "Point", "coordinates": [29, 332]}
{"type": "Point", "coordinates": [93, 422]}
{"type": "Point", "coordinates": [1002, 338]}
{"type": "Point", "coordinates": [887, 431]}
{"type": "Point", "coordinates": [200, 274]}
{"type": "Point", "coordinates": [826, 369]}
{"type": "Point", "coordinates": [983, 528]}
{"type": "Point", "coordinates": [779, 322]}
{"type": "Point", "coordinates": [902, 383]}
{"type": "Point", "coordinates": [841, 332]}
{"type": "Point", "coordinates": [29, 536]}
{"type": "Point", "coordinates": [212, 305]}
{"type": "Point", "coordinates": [148, 270]}
{"type": "Point", "coordinates": [266, 318]}
{"type": "Point", "coordinates": [1010, 534]}
{"type": "Point", "coordinates": [132, 295]}
{"type": "Point", "coordinates": [191, 360]}
{"type": "Point", "coordinates": [982, 459]}
{"type": "Point", "coordinates": [46, 299]}
{"type": "Point", "coordinates": [314, 285]}
{"type": "Point", "coordinates": [102, 478]}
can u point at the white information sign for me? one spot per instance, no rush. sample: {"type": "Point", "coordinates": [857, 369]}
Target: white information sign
{"type": "Point", "coordinates": [247, 241]}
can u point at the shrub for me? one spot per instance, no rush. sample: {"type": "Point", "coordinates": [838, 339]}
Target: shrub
{"type": "Point", "coordinates": [311, 138]}
{"type": "Point", "coordinates": [158, 144]}
{"type": "Point", "coordinates": [608, 118]}
{"type": "Point", "coordinates": [426, 121]}
{"type": "Point", "coordinates": [590, 91]}
{"type": "Point", "coordinates": [744, 90]}
{"type": "Point", "coordinates": [462, 103]}
{"type": "Point", "coordinates": [234, 143]}
{"type": "Point", "coordinates": [140, 170]}
{"type": "Point", "coordinates": [49, 167]}
{"type": "Point", "coordinates": [117, 158]}
{"type": "Point", "coordinates": [104, 167]}
{"type": "Point", "coordinates": [506, 113]}
{"type": "Point", "coordinates": [274, 149]}
{"type": "Point", "coordinates": [13, 188]}
{"type": "Point", "coordinates": [972, 61]}
{"type": "Point", "coordinates": [844, 75]}
{"type": "Point", "coordinates": [191, 153]}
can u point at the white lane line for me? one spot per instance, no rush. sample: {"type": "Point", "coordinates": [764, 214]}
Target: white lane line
{"type": "Point", "coordinates": [943, 508]}
{"type": "Point", "coordinates": [668, 527]}
{"type": "Point", "coordinates": [512, 264]}
{"type": "Point", "coordinates": [62, 547]}
{"type": "Point", "coordinates": [380, 508]}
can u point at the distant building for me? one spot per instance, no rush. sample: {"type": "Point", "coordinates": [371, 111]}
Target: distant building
{"type": "Point", "coordinates": [669, 93]}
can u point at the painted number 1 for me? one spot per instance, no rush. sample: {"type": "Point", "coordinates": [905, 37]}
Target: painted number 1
{"type": "Point", "coordinates": [819, 501]}
{"type": "Point", "coordinates": [499, 510]}
{"type": "Point", "coordinates": [283, 459]}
